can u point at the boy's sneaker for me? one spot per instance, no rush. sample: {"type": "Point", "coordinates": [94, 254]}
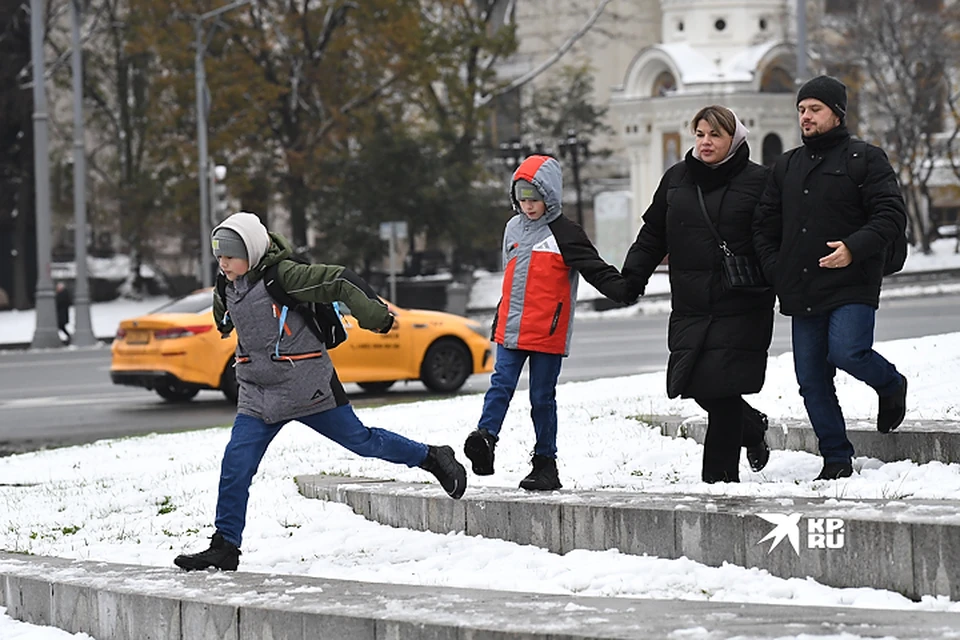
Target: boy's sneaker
{"type": "Point", "coordinates": [441, 462]}
{"type": "Point", "coordinates": [221, 555]}
{"type": "Point", "coordinates": [479, 449]}
{"type": "Point", "coordinates": [893, 408]}
{"type": "Point", "coordinates": [544, 476]}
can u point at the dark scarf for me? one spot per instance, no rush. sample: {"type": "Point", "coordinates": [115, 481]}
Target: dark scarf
{"type": "Point", "coordinates": [709, 177]}
{"type": "Point", "coordinates": [828, 140]}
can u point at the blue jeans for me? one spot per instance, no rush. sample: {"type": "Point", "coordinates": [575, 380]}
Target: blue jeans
{"type": "Point", "coordinates": [544, 372]}
{"type": "Point", "coordinates": [251, 436]}
{"type": "Point", "coordinates": [823, 343]}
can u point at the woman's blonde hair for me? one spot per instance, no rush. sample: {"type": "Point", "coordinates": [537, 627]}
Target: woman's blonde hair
{"type": "Point", "coordinates": [717, 117]}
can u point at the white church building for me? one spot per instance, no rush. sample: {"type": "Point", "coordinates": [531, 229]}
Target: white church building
{"type": "Point", "coordinates": [739, 54]}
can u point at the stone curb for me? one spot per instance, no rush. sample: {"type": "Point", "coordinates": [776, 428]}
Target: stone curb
{"type": "Point", "coordinates": [912, 547]}
{"type": "Point", "coordinates": [919, 441]}
{"type": "Point", "coordinates": [125, 602]}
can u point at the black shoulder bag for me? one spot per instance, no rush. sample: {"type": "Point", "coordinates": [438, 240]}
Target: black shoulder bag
{"type": "Point", "coordinates": [740, 273]}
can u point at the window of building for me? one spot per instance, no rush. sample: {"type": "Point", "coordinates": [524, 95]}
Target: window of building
{"type": "Point", "coordinates": [776, 80]}
{"type": "Point", "coordinates": [664, 85]}
{"type": "Point", "coordinates": [772, 148]}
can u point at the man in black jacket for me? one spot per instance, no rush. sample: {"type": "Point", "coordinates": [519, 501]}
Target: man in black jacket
{"type": "Point", "coordinates": [821, 236]}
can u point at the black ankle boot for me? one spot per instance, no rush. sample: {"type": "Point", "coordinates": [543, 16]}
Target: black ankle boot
{"type": "Point", "coordinates": [441, 462]}
{"type": "Point", "coordinates": [221, 555]}
{"type": "Point", "coordinates": [835, 471]}
{"type": "Point", "coordinates": [479, 448]}
{"type": "Point", "coordinates": [544, 476]}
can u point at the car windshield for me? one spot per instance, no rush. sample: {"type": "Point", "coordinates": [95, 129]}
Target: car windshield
{"type": "Point", "coordinates": [194, 303]}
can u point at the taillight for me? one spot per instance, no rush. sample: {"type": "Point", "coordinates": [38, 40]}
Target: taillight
{"type": "Point", "coordinates": [121, 334]}
{"type": "Point", "coordinates": [181, 332]}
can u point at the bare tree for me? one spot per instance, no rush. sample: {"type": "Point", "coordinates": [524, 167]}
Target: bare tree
{"type": "Point", "coordinates": [894, 55]}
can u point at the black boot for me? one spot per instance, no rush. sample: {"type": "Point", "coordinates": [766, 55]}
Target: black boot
{"type": "Point", "coordinates": [892, 410]}
{"type": "Point", "coordinates": [759, 454]}
{"type": "Point", "coordinates": [441, 462]}
{"type": "Point", "coordinates": [835, 471]}
{"type": "Point", "coordinates": [544, 476]}
{"type": "Point", "coordinates": [479, 448]}
{"type": "Point", "coordinates": [221, 555]}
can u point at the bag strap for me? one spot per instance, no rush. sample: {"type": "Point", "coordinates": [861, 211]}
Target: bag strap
{"type": "Point", "coordinates": [706, 216]}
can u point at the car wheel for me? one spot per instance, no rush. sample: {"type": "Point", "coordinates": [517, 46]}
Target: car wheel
{"type": "Point", "coordinates": [228, 382]}
{"type": "Point", "coordinates": [446, 366]}
{"type": "Point", "coordinates": [175, 393]}
{"type": "Point", "coordinates": [376, 387]}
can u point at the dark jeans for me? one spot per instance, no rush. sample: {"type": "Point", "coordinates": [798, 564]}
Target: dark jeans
{"type": "Point", "coordinates": [823, 343]}
{"type": "Point", "coordinates": [251, 436]}
{"type": "Point", "coordinates": [544, 372]}
{"type": "Point", "coordinates": [731, 424]}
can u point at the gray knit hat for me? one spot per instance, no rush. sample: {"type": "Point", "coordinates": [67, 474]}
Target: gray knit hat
{"type": "Point", "coordinates": [227, 242]}
{"type": "Point", "coordinates": [523, 190]}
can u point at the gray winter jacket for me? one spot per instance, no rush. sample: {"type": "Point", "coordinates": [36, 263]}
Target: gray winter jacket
{"type": "Point", "coordinates": [283, 370]}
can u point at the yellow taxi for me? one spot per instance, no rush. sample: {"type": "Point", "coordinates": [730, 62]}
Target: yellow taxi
{"type": "Point", "coordinates": [176, 351]}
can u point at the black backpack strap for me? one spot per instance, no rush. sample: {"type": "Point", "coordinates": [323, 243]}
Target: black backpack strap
{"type": "Point", "coordinates": [780, 166]}
{"type": "Point", "coordinates": [271, 280]}
{"type": "Point", "coordinates": [857, 161]}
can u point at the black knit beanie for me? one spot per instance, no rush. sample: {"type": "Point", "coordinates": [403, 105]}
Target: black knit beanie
{"type": "Point", "coordinates": [827, 90]}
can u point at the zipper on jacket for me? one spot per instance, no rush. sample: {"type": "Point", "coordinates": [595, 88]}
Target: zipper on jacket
{"type": "Point", "coordinates": [556, 318]}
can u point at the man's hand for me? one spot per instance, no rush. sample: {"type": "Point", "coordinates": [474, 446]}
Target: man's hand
{"type": "Point", "coordinates": [839, 258]}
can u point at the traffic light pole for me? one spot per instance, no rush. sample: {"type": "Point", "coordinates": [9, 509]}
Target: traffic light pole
{"type": "Point", "coordinates": [206, 273]}
{"type": "Point", "coordinates": [45, 334]}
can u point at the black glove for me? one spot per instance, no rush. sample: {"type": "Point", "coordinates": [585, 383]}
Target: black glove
{"type": "Point", "coordinates": [390, 320]}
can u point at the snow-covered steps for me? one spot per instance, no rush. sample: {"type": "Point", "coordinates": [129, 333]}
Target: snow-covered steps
{"type": "Point", "coordinates": [908, 546]}
{"type": "Point", "coordinates": [125, 602]}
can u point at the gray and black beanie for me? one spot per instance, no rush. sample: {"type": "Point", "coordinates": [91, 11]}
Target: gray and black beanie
{"type": "Point", "coordinates": [227, 242]}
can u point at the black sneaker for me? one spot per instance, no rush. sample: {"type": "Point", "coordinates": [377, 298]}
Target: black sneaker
{"type": "Point", "coordinates": [892, 410]}
{"type": "Point", "coordinates": [544, 476]}
{"type": "Point", "coordinates": [835, 471]}
{"type": "Point", "coordinates": [221, 555]}
{"type": "Point", "coordinates": [441, 462]}
{"type": "Point", "coordinates": [479, 449]}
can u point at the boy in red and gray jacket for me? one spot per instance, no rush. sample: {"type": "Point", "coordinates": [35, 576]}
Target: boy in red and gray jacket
{"type": "Point", "coordinates": [543, 255]}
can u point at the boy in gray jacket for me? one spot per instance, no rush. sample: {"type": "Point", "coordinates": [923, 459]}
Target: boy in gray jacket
{"type": "Point", "coordinates": [284, 374]}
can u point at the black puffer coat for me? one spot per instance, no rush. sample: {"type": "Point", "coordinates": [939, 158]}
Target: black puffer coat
{"type": "Point", "coordinates": [718, 339]}
{"type": "Point", "coordinates": [818, 202]}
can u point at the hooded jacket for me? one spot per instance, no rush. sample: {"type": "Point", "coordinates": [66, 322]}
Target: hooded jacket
{"type": "Point", "coordinates": [283, 369]}
{"type": "Point", "coordinates": [542, 260]}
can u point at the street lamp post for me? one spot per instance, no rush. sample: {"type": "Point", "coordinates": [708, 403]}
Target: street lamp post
{"type": "Point", "coordinates": [83, 329]}
{"type": "Point", "coordinates": [45, 334]}
{"type": "Point", "coordinates": [574, 147]}
{"type": "Point", "coordinates": [206, 275]}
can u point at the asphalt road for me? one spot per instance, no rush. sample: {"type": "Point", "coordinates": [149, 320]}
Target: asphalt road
{"type": "Point", "coordinates": [53, 398]}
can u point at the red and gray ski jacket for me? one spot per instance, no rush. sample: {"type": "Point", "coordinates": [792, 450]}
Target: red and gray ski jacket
{"type": "Point", "coordinates": [541, 262]}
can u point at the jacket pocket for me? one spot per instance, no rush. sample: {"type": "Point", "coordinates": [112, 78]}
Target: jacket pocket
{"type": "Point", "coordinates": [556, 318]}
{"type": "Point", "coordinates": [296, 357]}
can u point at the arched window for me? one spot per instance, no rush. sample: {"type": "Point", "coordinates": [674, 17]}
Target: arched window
{"type": "Point", "coordinates": [664, 85]}
{"type": "Point", "coordinates": [776, 80]}
{"type": "Point", "coordinates": [772, 148]}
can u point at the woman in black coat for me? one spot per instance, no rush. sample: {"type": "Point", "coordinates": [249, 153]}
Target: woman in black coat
{"type": "Point", "coordinates": [718, 339]}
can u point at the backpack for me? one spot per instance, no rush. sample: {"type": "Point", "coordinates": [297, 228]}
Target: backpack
{"type": "Point", "coordinates": [896, 251]}
{"type": "Point", "coordinates": [322, 318]}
